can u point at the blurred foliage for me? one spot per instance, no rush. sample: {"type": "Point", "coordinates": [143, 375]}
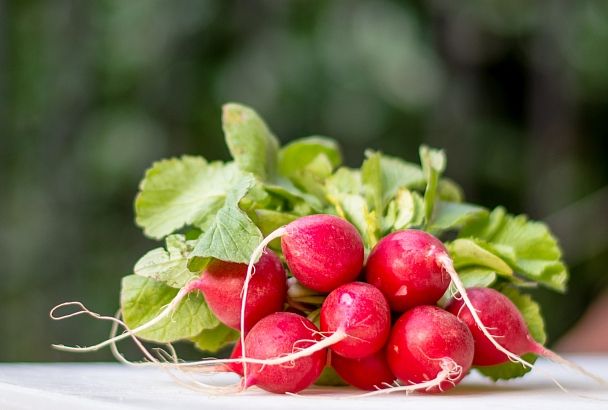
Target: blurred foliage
{"type": "Point", "coordinates": [92, 92]}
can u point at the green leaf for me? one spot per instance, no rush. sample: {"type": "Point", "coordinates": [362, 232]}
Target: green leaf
{"type": "Point", "coordinates": [452, 215]}
{"type": "Point", "coordinates": [269, 221]}
{"type": "Point", "coordinates": [286, 190]}
{"type": "Point", "coordinates": [343, 190]}
{"type": "Point", "coordinates": [474, 252]}
{"type": "Point", "coordinates": [251, 144]}
{"type": "Point", "coordinates": [168, 265]}
{"type": "Point", "coordinates": [296, 155]}
{"type": "Point", "coordinates": [383, 176]}
{"type": "Point", "coordinates": [477, 277]}
{"type": "Point", "coordinates": [345, 181]}
{"type": "Point", "coordinates": [450, 191]}
{"type": "Point", "coordinates": [180, 191]}
{"type": "Point", "coordinates": [212, 340]}
{"type": "Point", "coordinates": [311, 177]}
{"type": "Point", "coordinates": [197, 264]}
{"type": "Point", "coordinates": [397, 174]}
{"type": "Point", "coordinates": [329, 377]}
{"type": "Point", "coordinates": [142, 299]}
{"type": "Point", "coordinates": [532, 315]}
{"type": "Point", "coordinates": [354, 209]}
{"type": "Point", "coordinates": [528, 246]}
{"type": "Point", "coordinates": [409, 210]}
{"type": "Point", "coordinates": [433, 164]}
{"type": "Point", "coordinates": [371, 179]}
{"type": "Point", "coordinates": [232, 236]}
{"type": "Point", "coordinates": [485, 228]}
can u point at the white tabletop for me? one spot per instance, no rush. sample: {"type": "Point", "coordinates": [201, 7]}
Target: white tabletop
{"type": "Point", "coordinates": [115, 386]}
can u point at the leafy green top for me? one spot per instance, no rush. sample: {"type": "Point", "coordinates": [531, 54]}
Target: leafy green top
{"type": "Point", "coordinates": [220, 210]}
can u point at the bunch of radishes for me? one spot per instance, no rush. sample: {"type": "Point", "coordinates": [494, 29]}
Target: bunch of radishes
{"type": "Point", "coordinates": [360, 282]}
{"type": "Point", "coordinates": [424, 348]}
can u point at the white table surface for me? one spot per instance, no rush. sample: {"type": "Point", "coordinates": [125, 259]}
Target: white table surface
{"type": "Point", "coordinates": [115, 386]}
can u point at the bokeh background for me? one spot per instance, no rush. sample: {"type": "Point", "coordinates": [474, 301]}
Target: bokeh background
{"type": "Point", "coordinates": [91, 92]}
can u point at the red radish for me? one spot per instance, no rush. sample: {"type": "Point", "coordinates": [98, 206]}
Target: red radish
{"type": "Point", "coordinates": [268, 293]}
{"type": "Point", "coordinates": [360, 311]}
{"type": "Point", "coordinates": [322, 251]}
{"type": "Point", "coordinates": [236, 367]}
{"type": "Point", "coordinates": [368, 373]}
{"type": "Point", "coordinates": [498, 313]}
{"type": "Point", "coordinates": [508, 326]}
{"type": "Point", "coordinates": [222, 282]}
{"type": "Point", "coordinates": [405, 267]}
{"type": "Point", "coordinates": [274, 336]}
{"type": "Point", "coordinates": [430, 349]}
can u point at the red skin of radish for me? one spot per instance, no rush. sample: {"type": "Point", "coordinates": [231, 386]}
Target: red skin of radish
{"type": "Point", "coordinates": [420, 338]}
{"type": "Point", "coordinates": [236, 354]}
{"type": "Point", "coordinates": [503, 320]}
{"type": "Point", "coordinates": [403, 265]}
{"type": "Point", "coordinates": [362, 312]}
{"type": "Point", "coordinates": [276, 335]}
{"type": "Point", "coordinates": [368, 373]}
{"type": "Point", "coordinates": [222, 282]}
{"type": "Point", "coordinates": [323, 251]}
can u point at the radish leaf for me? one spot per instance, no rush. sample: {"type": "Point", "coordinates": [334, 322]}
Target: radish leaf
{"type": "Point", "coordinates": [232, 236]}
{"type": "Point", "coordinates": [182, 191]}
{"type": "Point", "coordinates": [141, 300]}
{"type": "Point", "coordinates": [296, 155]}
{"type": "Point", "coordinates": [249, 140]}
{"type": "Point", "coordinates": [212, 340]}
{"type": "Point", "coordinates": [433, 164]}
{"type": "Point", "coordinates": [528, 246]}
{"type": "Point", "coordinates": [168, 265]}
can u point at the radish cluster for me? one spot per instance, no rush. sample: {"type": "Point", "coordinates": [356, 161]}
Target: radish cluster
{"type": "Point", "coordinates": [386, 310]}
{"type": "Point", "coordinates": [379, 326]}
{"type": "Point", "coordinates": [426, 348]}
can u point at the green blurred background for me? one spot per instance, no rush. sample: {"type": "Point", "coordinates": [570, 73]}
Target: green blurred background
{"type": "Point", "coordinates": [91, 92]}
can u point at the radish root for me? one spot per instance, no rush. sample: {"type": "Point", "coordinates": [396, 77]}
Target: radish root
{"type": "Point", "coordinates": [170, 358]}
{"type": "Point", "coordinates": [450, 372]}
{"type": "Point", "coordinates": [297, 354]}
{"type": "Point", "coordinates": [554, 357]}
{"type": "Point", "coordinates": [170, 308]}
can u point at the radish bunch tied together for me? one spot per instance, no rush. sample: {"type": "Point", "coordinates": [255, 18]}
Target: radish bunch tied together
{"type": "Point", "coordinates": [320, 273]}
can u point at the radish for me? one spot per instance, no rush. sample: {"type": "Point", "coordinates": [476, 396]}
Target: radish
{"type": "Point", "coordinates": [236, 367]}
{"type": "Point", "coordinates": [222, 282]}
{"type": "Point", "coordinates": [429, 349]}
{"type": "Point", "coordinates": [406, 267]}
{"type": "Point", "coordinates": [281, 334]}
{"type": "Point", "coordinates": [360, 311]}
{"type": "Point", "coordinates": [368, 373]}
{"type": "Point", "coordinates": [322, 251]}
{"type": "Point", "coordinates": [501, 315]}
